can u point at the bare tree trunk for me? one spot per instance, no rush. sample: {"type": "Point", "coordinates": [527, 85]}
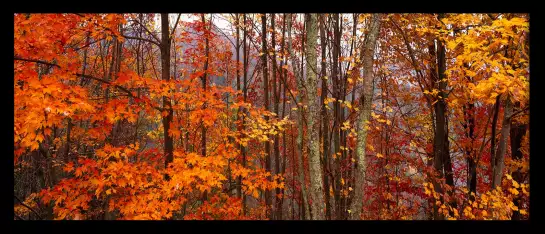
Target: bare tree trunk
{"type": "Point", "coordinates": [165, 75]}
{"type": "Point", "coordinates": [300, 136]}
{"type": "Point", "coordinates": [316, 180]}
{"type": "Point", "coordinates": [245, 93]}
{"type": "Point", "coordinates": [268, 197]}
{"type": "Point", "coordinates": [493, 135]}
{"type": "Point", "coordinates": [367, 51]}
{"type": "Point", "coordinates": [276, 146]}
{"type": "Point", "coordinates": [239, 186]}
{"type": "Point", "coordinates": [204, 77]}
{"type": "Point", "coordinates": [325, 119]}
{"type": "Point", "coordinates": [469, 126]}
{"type": "Point", "coordinates": [502, 144]}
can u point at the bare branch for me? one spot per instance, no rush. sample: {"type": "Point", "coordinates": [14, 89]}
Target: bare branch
{"type": "Point", "coordinates": [36, 61]}
{"type": "Point", "coordinates": [92, 78]}
{"type": "Point", "coordinates": [141, 39]}
{"type": "Point", "coordinates": [175, 24]}
{"type": "Point", "coordinates": [147, 30]}
{"type": "Point", "coordinates": [28, 207]}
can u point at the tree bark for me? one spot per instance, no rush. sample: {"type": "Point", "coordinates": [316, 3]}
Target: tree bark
{"type": "Point", "coordinates": [268, 197]}
{"type": "Point", "coordinates": [336, 114]}
{"type": "Point", "coordinates": [469, 127]}
{"type": "Point", "coordinates": [298, 80]}
{"type": "Point", "coordinates": [366, 99]}
{"type": "Point", "coordinates": [239, 179]}
{"type": "Point", "coordinates": [325, 119]}
{"type": "Point", "coordinates": [316, 179]}
{"type": "Point", "coordinates": [502, 144]}
{"type": "Point", "coordinates": [276, 146]}
{"type": "Point", "coordinates": [165, 75]}
{"type": "Point", "coordinates": [493, 135]}
{"type": "Point", "coordinates": [245, 95]}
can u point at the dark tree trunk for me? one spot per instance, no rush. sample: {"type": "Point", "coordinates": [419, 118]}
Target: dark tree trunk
{"type": "Point", "coordinates": [268, 197]}
{"type": "Point", "coordinates": [442, 160]}
{"type": "Point", "coordinates": [165, 75]}
{"type": "Point", "coordinates": [336, 113]}
{"type": "Point", "coordinates": [325, 119]}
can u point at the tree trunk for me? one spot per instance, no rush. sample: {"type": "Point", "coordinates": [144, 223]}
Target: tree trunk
{"type": "Point", "coordinates": [298, 80]}
{"type": "Point", "coordinates": [276, 146]}
{"type": "Point", "coordinates": [245, 94]}
{"type": "Point", "coordinates": [165, 75]}
{"type": "Point", "coordinates": [493, 135]}
{"type": "Point", "coordinates": [502, 144]}
{"type": "Point", "coordinates": [325, 119]}
{"type": "Point", "coordinates": [316, 180]}
{"type": "Point", "coordinates": [204, 77]}
{"type": "Point", "coordinates": [336, 114]}
{"type": "Point", "coordinates": [469, 126]}
{"type": "Point", "coordinates": [367, 51]}
{"type": "Point", "coordinates": [239, 187]}
{"type": "Point", "coordinates": [268, 197]}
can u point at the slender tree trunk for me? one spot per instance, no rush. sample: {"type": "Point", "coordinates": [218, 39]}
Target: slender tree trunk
{"type": "Point", "coordinates": [367, 51]}
{"type": "Point", "coordinates": [204, 77]}
{"type": "Point", "coordinates": [449, 175]}
{"type": "Point", "coordinates": [281, 90]}
{"type": "Point", "coordinates": [165, 75]}
{"type": "Point", "coordinates": [239, 181]}
{"type": "Point", "coordinates": [276, 146]}
{"type": "Point", "coordinates": [469, 126]}
{"type": "Point", "coordinates": [325, 119]}
{"type": "Point", "coordinates": [204, 86]}
{"type": "Point", "coordinates": [493, 135]}
{"type": "Point", "coordinates": [298, 79]}
{"type": "Point", "coordinates": [502, 144]}
{"type": "Point", "coordinates": [314, 142]}
{"type": "Point", "coordinates": [268, 197]}
{"type": "Point", "coordinates": [245, 95]}
{"type": "Point", "coordinates": [337, 114]}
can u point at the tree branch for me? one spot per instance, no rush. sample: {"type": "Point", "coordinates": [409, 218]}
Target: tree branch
{"type": "Point", "coordinates": [518, 112]}
{"type": "Point", "coordinates": [175, 24]}
{"type": "Point", "coordinates": [141, 39]}
{"type": "Point", "coordinates": [147, 30]}
{"type": "Point", "coordinates": [35, 61]}
{"type": "Point", "coordinates": [28, 207]}
{"type": "Point", "coordinates": [92, 78]}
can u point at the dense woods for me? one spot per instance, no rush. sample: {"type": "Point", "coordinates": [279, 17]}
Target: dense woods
{"type": "Point", "coordinates": [272, 116]}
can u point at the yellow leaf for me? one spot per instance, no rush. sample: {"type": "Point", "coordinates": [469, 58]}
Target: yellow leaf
{"type": "Point", "coordinates": [516, 184]}
{"type": "Point", "coordinates": [515, 208]}
{"type": "Point", "coordinates": [379, 155]}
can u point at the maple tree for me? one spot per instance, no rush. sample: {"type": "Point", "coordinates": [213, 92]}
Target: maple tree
{"type": "Point", "coordinates": [271, 116]}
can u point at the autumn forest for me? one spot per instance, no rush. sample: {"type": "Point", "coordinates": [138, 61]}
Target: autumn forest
{"type": "Point", "coordinates": [271, 116]}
